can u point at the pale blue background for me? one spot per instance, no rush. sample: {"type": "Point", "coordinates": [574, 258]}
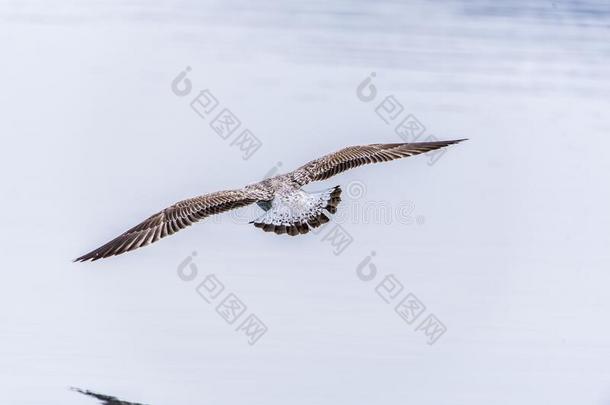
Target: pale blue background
{"type": "Point", "coordinates": [511, 254]}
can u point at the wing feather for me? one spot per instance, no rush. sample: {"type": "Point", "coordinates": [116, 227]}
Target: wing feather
{"type": "Point", "coordinates": [171, 220]}
{"type": "Point", "coordinates": [354, 156]}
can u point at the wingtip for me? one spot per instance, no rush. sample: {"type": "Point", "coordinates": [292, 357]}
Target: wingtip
{"type": "Point", "coordinates": [84, 258]}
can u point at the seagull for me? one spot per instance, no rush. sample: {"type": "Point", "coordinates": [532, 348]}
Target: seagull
{"type": "Point", "coordinates": [289, 210]}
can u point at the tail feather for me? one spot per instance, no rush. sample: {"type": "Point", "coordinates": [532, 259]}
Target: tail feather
{"type": "Point", "coordinates": [284, 219]}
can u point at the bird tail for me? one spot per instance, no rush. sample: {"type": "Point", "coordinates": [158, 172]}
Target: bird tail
{"type": "Point", "coordinates": [292, 219]}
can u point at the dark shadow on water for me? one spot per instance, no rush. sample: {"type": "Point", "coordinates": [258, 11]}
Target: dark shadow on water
{"type": "Point", "coordinates": [105, 399]}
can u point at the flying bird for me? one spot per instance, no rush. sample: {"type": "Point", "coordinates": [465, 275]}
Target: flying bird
{"type": "Point", "coordinates": [288, 208]}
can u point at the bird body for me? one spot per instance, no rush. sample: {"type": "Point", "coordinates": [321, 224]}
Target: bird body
{"type": "Point", "coordinates": [287, 208]}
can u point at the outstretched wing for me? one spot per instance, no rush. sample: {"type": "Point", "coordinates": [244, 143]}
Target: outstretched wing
{"type": "Point", "coordinates": [354, 156]}
{"type": "Point", "coordinates": [173, 219]}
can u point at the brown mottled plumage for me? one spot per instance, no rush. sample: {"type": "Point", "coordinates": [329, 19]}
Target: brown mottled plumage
{"type": "Point", "coordinates": [289, 210]}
